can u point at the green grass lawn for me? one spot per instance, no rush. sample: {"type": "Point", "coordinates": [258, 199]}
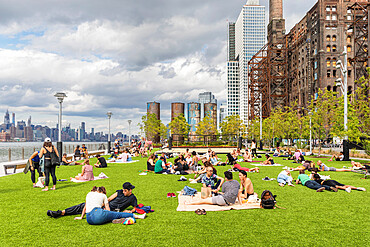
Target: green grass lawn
{"type": "Point", "coordinates": [310, 218]}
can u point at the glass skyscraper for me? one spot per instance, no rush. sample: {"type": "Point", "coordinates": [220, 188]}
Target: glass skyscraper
{"type": "Point", "coordinates": [246, 37]}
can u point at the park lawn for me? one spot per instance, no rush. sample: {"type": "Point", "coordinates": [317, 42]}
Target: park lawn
{"type": "Point", "coordinates": [310, 218]}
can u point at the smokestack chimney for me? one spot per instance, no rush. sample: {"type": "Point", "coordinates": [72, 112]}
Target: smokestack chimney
{"type": "Point", "coordinates": [276, 9]}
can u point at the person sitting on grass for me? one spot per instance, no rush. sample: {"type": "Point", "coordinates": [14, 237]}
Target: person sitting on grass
{"type": "Point", "coordinates": [65, 162]}
{"type": "Point", "coordinates": [269, 160]}
{"type": "Point", "coordinates": [324, 167]}
{"type": "Point", "coordinates": [150, 163]}
{"type": "Point", "coordinates": [339, 157]}
{"type": "Point", "coordinates": [246, 187]}
{"type": "Point", "coordinates": [160, 167]}
{"type": "Point", "coordinates": [95, 215]}
{"type": "Point", "coordinates": [77, 152]}
{"type": "Point", "coordinates": [119, 201]}
{"type": "Point", "coordinates": [212, 180]}
{"type": "Point", "coordinates": [305, 180]}
{"type": "Point", "coordinates": [336, 184]}
{"type": "Point", "coordinates": [195, 160]}
{"type": "Point", "coordinates": [298, 156]}
{"type": "Point", "coordinates": [214, 159]}
{"type": "Point", "coordinates": [230, 190]}
{"type": "Point", "coordinates": [288, 155]}
{"type": "Point", "coordinates": [87, 172]}
{"type": "Point", "coordinates": [180, 164]}
{"type": "Point", "coordinates": [247, 156]}
{"type": "Point", "coordinates": [101, 162]}
{"type": "Point", "coordinates": [285, 177]}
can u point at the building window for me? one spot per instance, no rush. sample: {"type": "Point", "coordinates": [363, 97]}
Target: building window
{"type": "Point", "coordinates": [334, 48]}
{"type": "Point", "coordinates": [328, 74]}
{"type": "Point", "coordinates": [334, 62]}
{"type": "Point", "coordinates": [328, 17]}
{"type": "Point", "coordinates": [349, 48]}
{"type": "Point", "coordinates": [328, 38]}
{"type": "Point", "coordinates": [328, 88]}
{"type": "Point", "coordinates": [328, 48]}
{"type": "Point", "coordinates": [315, 76]}
{"type": "Point", "coordinates": [349, 73]}
{"type": "Point", "coordinates": [334, 38]}
{"type": "Point", "coordinates": [315, 64]}
{"type": "Point", "coordinates": [334, 17]}
{"type": "Point", "coordinates": [349, 17]}
{"type": "Point", "coordinates": [327, 8]}
{"type": "Point", "coordinates": [328, 62]}
{"type": "Point", "coordinates": [334, 8]}
{"type": "Point", "coordinates": [349, 39]}
{"type": "Point", "coordinates": [334, 73]}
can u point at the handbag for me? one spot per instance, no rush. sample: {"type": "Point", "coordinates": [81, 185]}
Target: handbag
{"type": "Point", "coordinates": [54, 158]}
{"type": "Point", "coordinates": [205, 192]}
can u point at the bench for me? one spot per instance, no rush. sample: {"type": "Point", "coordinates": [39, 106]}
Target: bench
{"type": "Point", "coordinates": [14, 165]}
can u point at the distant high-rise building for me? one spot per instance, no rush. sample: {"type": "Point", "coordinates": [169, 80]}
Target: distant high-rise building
{"type": "Point", "coordinates": [223, 113]}
{"type": "Point", "coordinates": [6, 117]}
{"type": "Point", "coordinates": [203, 98]}
{"type": "Point", "coordinates": [250, 36]}
{"type": "Point", "coordinates": [13, 118]}
{"type": "Point", "coordinates": [29, 121]}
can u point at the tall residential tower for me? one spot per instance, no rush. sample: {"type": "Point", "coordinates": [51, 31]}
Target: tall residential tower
{"type": "Point", "coordinates": [246, 37]}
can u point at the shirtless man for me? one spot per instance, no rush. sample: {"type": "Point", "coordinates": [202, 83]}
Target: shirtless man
{"type": "Point", "coordinates": [246, 186]}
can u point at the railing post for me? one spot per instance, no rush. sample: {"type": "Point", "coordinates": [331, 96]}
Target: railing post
{"type": "Point", "coordinates": [22, 153]}
{"type": "Point", "coordinates": [240, 144]}
{"type": "Point", "coordinates": [10, 154]}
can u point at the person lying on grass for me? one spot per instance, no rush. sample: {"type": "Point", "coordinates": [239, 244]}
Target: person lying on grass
{"type": "Point", "coordinates": [336, 184]}
{"type": "Point", "coordinates": [246, 187]}
{"type": "Point", "coordinates": [306, 165]}
{"type": "Point", "coordinates": [324, 167]}
{"type": "Point", "coordinates": [356, 165]}
{"type": "Point", "coordinates": [119, 201]}
{"type": "Point", "coordinates": [339, 157]}
{"type": "Point", "coordinates": [228, 195]}
{"type": "Point", "coordinates": [304, 179]}
{"type": "Point", "coordinates": [269, 160]}
{"type": "Point", "coordinates": [96, 199]}
{"type": "Point", "coordinates": [285, 177]}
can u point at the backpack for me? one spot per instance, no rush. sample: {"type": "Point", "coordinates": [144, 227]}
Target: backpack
{"type": "Point", "coordinates": [268, 202]}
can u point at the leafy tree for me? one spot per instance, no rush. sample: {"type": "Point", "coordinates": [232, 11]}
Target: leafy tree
{"type": "Point", "coordinates": [153, 127]}
{"type": "Point", "coordinates": [179, 126]}
{"type": "Point", "coordinates": [232, 127]}
{"type": "Point", "coordinates": [325, 117]}
{"type": "Point", "coordinates": [206, 127]}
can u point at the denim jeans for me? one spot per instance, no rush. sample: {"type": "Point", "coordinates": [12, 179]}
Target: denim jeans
{"type": "Point", "coordinates": [99, 216]}
{"type": "Point", "coordinates": [315, 185]}
{"type": "Point", "coordinates": [283, 179]}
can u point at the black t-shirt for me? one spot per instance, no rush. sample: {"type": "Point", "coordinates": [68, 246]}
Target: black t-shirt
{"type": "Point", "coordinates": [122, 202]}
{"type": "Point", "coordinates": [102, 162]}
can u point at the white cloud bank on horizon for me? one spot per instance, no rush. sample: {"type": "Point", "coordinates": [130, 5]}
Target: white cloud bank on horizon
{"type": "Point", "coordinates": [114, 56]}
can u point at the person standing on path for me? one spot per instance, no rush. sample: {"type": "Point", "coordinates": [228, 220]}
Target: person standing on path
{"type": "Point", "coordinates": [47, 150]}
{"type": "Point", "coordinates": [254, 149]}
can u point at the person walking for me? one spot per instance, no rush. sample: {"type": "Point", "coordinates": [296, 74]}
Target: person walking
{"type": "Point", "coordinates": [47, 151]}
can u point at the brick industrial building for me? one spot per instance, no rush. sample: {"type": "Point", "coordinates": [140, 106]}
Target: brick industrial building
{"type": "Point", "coordinates": [293, 67]}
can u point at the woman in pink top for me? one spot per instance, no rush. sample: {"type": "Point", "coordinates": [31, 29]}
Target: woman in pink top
{"type": "Point", "coordinates": [87, 172]}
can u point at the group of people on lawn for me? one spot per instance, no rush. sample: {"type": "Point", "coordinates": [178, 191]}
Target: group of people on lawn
{"type": "Point", "coordinates": [100, 209]}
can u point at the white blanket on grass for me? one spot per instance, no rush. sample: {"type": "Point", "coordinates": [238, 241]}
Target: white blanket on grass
{"type": "Point", "coordinates": [259, 164]}
{"type": "Point", "coordinates": [185, 207]}
{"type": "Point", "coordinates": [122, 162]}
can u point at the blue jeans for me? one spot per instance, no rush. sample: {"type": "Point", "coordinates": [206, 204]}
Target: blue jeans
{"type": "Point", "coordinates": [99, 216]}
{"type": "Point", "coordinates": [283, 179]}
{"type": "Point", "coordinates": [315, 185]}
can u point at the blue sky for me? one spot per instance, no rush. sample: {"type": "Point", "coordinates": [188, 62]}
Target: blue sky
{"type": "Point", "coordinates": [114, 55]}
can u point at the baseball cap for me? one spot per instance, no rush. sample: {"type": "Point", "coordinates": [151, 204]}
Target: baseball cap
{"type": "Point", "coordinates": [47, 139]}
{"type": "Point", "coordinates": [128, 186]}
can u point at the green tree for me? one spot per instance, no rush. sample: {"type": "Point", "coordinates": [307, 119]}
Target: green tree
{"type": "Point", "coordinates": [207, 128]}
{"type": "Point", "coordinates": [153, 127]}
{"type": "Point", "coordinates": [179, 126]}
{"type": "Point", "coordinates": [232, 127]}
{"type": "Point", "coordinates": [325, 117]}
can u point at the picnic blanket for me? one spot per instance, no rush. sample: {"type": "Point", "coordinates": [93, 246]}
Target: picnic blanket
{"type": "Point", "coordinates": [266, 165]}
{"type": "Point", "coordinates": [184, 207]}
{"type": "Point", "coordinates": [101, 176]}
{"type": "Point", "coordinates": [122, 162]}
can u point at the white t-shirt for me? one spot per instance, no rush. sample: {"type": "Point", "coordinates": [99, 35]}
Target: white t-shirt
{"type": "Point", "coordinates": [189, 160]}
{"type": "Point", "coordinates": [253, 146]}
{"type": "Point", "coordinates": [95, 200]}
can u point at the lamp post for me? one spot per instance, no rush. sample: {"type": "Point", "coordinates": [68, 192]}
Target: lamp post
{"type": "Point", "coordinates": [310, 113]}
{"type": "Point", "coordinates": [261, 121]}
{"type": "Point", "coordinates": [60, 97]}
{"type": "Point", "coordinates": [344, 86]}
{"type": "Point", "coordinates": [129, 132]}
{"type": "Point", "coordinates": [109, 114]}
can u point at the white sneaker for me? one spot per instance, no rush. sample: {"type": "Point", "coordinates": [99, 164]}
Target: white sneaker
{"type": "Point", "coordinates": [165, 173]}
{"type": "Point", "coordinates": [143, 173]}
{"type": "Point", "coordinates": [360, 188]}
{"type": "Point", "coordinates": [348, 190]}
{"type": "Point", "coordinates": [193, 182]}
{"type": "Point", "coordinates": [140, 216]}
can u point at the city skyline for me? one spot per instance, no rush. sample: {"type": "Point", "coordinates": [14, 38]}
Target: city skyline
{"type": "Point", "coordinates": [114, 57]}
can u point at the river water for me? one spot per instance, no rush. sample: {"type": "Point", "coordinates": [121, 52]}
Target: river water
{"type": "Point", "coordinates": [29, 147]}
